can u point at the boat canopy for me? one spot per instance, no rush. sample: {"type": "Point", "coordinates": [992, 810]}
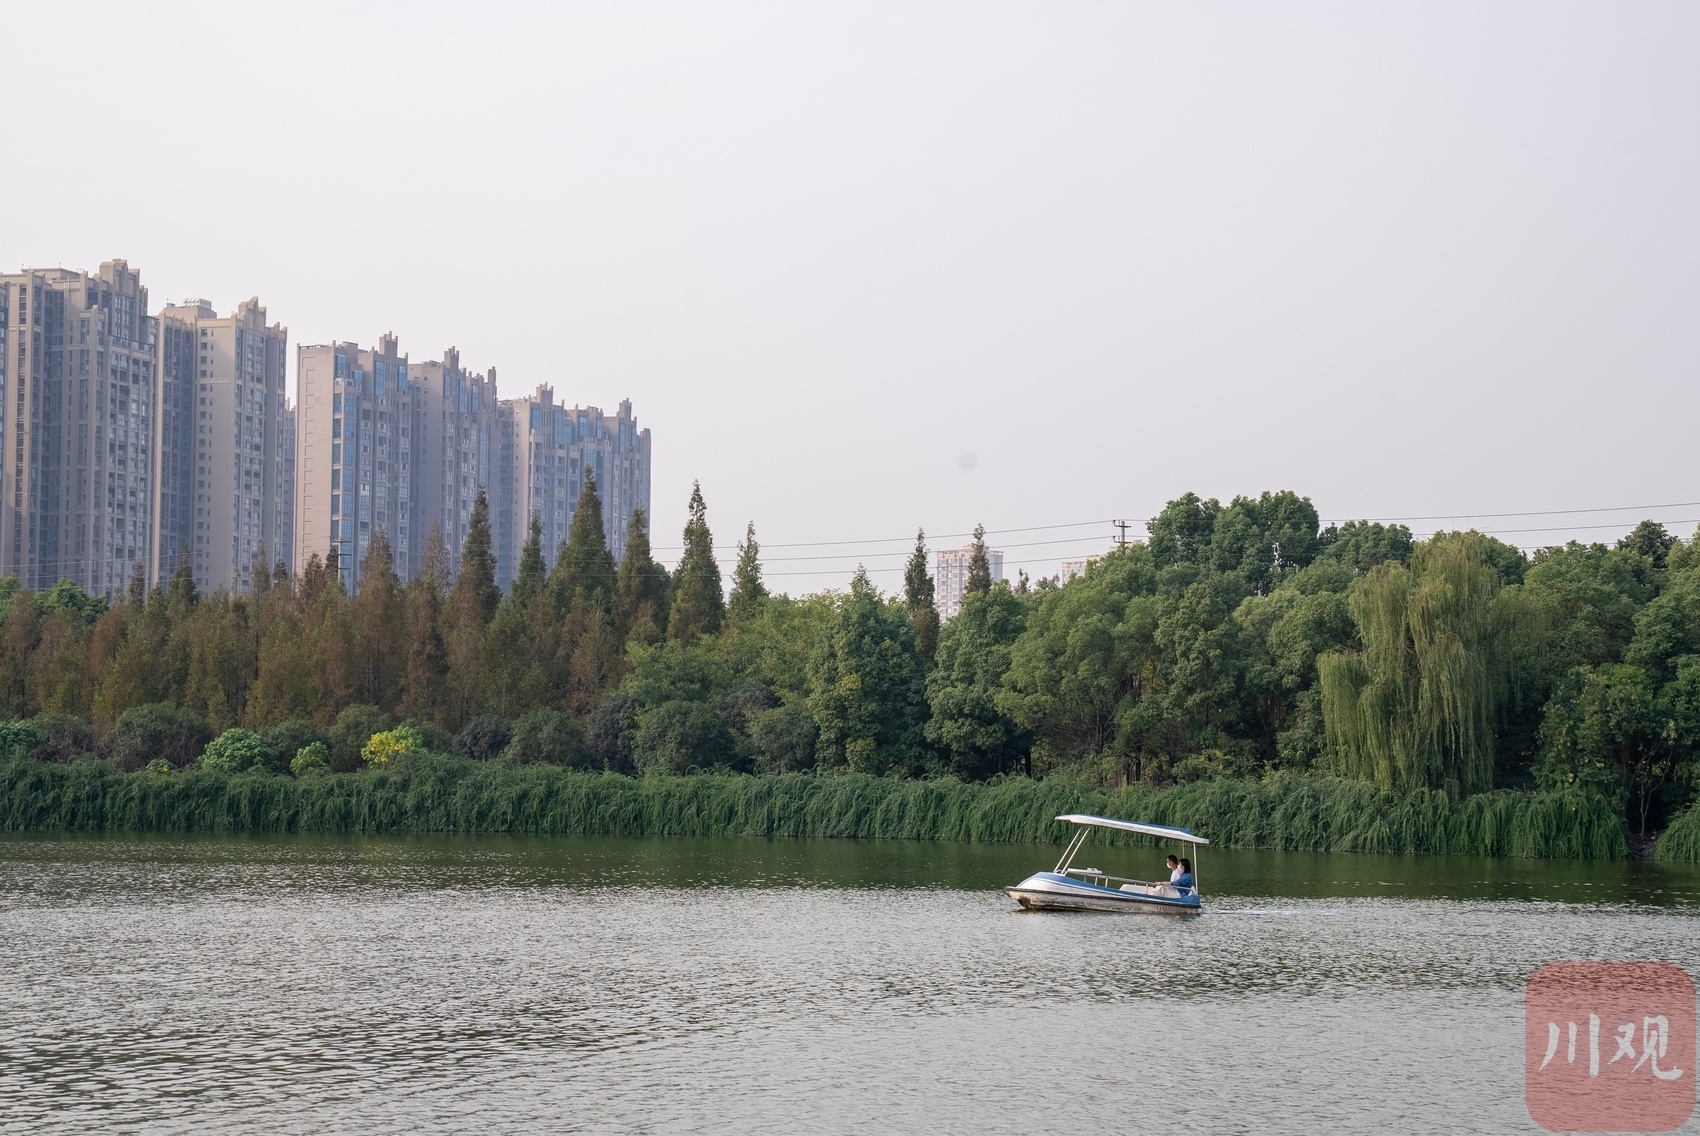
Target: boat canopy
{"type": "Point", "coordinates": [1161, 830]}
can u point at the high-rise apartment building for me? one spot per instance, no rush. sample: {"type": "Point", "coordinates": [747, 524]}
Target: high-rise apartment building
{"type": "Point", "coordinates": [356, 426]}
{"type": "Point", "coordinates": [552, 446]}
{"type": "Point", "coordinates": [456, 451]}
{"type": "Point", "coordinates": [236, 468]}
{"type": "Point", "coordinates": [950, 581]}
{"type": "Point", "coordinates": [79, 397]}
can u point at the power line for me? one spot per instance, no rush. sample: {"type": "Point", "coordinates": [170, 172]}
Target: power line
{"type": "Point", "coordinates": [1532, 513]}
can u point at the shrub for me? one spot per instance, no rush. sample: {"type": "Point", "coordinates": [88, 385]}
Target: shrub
{"type": "Point", "coordinates": [432, 737]}
{"type": "Point", "coordinates": [157, 730]}
{"type": "Point", "coordinates": [609, 733]}
{"type": "Point", "coordinates": [484, 738]}
{"type": "Point", "coordinates": [548, 736]}
{"type": "Point", "coordinates": [354, 728]}
{"type": "Point", "coordinates": [238, 751]}
{"type": "Point", "coordinates": [310, 760]}
{"type": "Point", "coordinates": [159, 767]}
{"type": "Point", "coordinates": [291, 737]}
{"type": "Point", "coordinates": [20, 737]}
{"type": "Point", "coordinates": [64, 738]}
{"type": "Point", "coordinates": [387, 745]}
{"type": "Point", "coordinates": [679, 736]}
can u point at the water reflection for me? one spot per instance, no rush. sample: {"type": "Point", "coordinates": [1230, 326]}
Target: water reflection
{"type": "Point", "coordinates": [313, 984]}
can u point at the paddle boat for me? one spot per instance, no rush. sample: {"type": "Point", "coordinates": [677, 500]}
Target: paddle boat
{"type": "Point", "coordinates": [1067, 888]}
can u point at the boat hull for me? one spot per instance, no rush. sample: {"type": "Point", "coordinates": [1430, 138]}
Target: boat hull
{"type": "Point", "coordinates": [1050, 891]}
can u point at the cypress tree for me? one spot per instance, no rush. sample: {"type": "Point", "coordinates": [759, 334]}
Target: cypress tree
{"type": "Point", "coordinates": [434, 560]}
{"type": "Point", "coordinates": [979, 568]}
{"type": "Point", "coordinates": [584, 563]}
{"type": "Point", "coordinates": [183, 582]}
{"type": "Point", "coordinates": [475, 593]}
{"type": "Point", "coordinates": [918, 594]}
{"type": "Point", "coordinates": [640, 588]}
{"type": "Point", "coordinates": [427, 658]}
{"type": "Point", "coordinates": [748, 592]}
{"type": "Point", "coordinates": [259, 574]}
{"type": "Point", "coordinates": [376, 614]}
{"type": "Point", "coordinates": [698, 604]}
{"type": "Point", "coordinates": [139, 587]}
{"type": "Point", "coordinates": [528, 584]}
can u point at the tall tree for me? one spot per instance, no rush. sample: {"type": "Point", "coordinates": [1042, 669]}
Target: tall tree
{"type": "Point", "coordinates": [1416, 707]}
{"type": "Point", "coordinates": [434, 560]}
{"type": "Point", "coordinates": [183, 592]}
{"type": "Point", "coordinates": [380, 646]}
{"type": "Point", "coordinates": [640, 588]}
{"type": "Point", "coordinates": [427, 656]}
{"type": "Point", "coordinates": [979, 566]}
{"type": "Point", "coordinates": [748, 592]}
{"type": "Point", "coordinates": [584, 563]}
{"type": "Point", "coordinates": [698, 604]}
{"type": "Point", "coordinates": [918, 594]}
{"type": "Point", "coordinates": [867, 687]}
{"type": "Point", "coordinates": [472, 605]}
{"type": "Point", "coordinates": [138, 587]}
{"type": "Point", "coordinates": [528, 582]}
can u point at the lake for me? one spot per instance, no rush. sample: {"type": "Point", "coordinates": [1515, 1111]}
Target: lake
{"type": "Point", "coordinates": [376, 985]}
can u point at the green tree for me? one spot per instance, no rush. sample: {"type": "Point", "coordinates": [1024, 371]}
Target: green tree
{"type": "Point", "coordinates": [748, 592]}
{"type": "Point", "coordinates": [472, 605]}
{"type": "Point", "coordinates": [966, 724]}
{"type": "Point", "coordinates": [1361, 545]}
{"type": "Point", "coordinates": [528, 583]}
{"type": "Point", "coordinates": [584, 563]}
{"type": "Point", "coordinates": [1416, 707]}
{"type": "Point", "coordinates": [1650, 539]}
{"type": "Point", "coordinates": [677, 737]}
{"type": "Point", "coordinates": [380, 640]}
{"type": "Point", "coordinates": [1181, 533]}
{"type": "Point", "coordinates": [640, 588]}
{"type": "Point", "coordinates": [698, 604]}
{"type": "Point", "coordinates": [919, 595]}
{"type": "Point", "coordinates": [238, 751]}
{"type": "Point", "coordinates": [867, 687]}
{"type": "Point", "coordinates": [979, 580]}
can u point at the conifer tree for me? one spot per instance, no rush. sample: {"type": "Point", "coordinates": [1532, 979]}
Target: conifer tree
{"type": "Point", "coordinates": [379, 651]}
{"type": "Point", "coordinates": [528, 584]}
{"type": "Point", "coordinates": [640, 588]}
{"type": "Point", "coordinates": [475, 593]}
{"type": "Point", "coordinates": [138, 587]}
{"type": "Point", "coordinates": [979, 567]}
{"type": "Point", "coordinates": [698, 603]}
{"type": "Point", "coordinates": [748, 591]}
{"type": "Point", "coordinates": [472, 605]}
{"type": "Point", "coordinates": [427, 658]}
{"type": "Point", "coordinates": [584, 563]}
{"type": "Point", "coordinates": [918, 594]}
{"type": "Point", "coordinates": [434, 560]}
{"type": "Point", "coordinates": [183, 582]}
{"type": "Point", "coordinates": [259, 574]}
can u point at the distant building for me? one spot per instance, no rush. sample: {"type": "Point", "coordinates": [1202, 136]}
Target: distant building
{"type": "Point", "coordinates": [79, 400]}
{"type": "Point", "coordinates": [1073, 568]}
{"type": "Point", "coordinates": [550, 448]}
{"type": "Point", "coordinates": [950, 582]}
{"type": "Point", "coordinates": [356, 425]}
{"type": "Point", "coordinates": [232, 466]}
{"type": "Point", "coordinates": [456, 451]}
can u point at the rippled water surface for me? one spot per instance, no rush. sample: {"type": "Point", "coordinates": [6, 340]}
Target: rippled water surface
{"type": "Point", "coordinates": [623, 985]}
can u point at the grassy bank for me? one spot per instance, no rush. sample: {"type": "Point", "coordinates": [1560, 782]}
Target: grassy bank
{"type": "Point", "coordinates": [432, 794]}
{"type": "Point", "coordinates": [1680, 843]}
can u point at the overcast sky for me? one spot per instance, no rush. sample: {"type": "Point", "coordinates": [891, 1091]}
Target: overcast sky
{"type": "Point", "coordinates": [865, 267]}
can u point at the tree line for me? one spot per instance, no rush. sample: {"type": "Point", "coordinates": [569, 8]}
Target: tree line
{"type": "Point", "coordinates": [1239, 640]}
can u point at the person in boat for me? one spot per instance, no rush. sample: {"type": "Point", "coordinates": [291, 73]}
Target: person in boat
{"type": "Point", "coordinates": [1182, 879]}
{"type": "Point", "coordinates": [1174, 868]}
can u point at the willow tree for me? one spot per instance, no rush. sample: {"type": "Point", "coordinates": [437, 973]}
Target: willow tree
{"type": "Point", "coordinates": [1416, 706]}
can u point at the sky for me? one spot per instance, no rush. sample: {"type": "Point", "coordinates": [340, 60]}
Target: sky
{"type": "Point", "coordinates": [869, 267]}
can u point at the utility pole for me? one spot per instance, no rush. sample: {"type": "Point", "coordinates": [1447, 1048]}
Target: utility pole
{"type": "Point", "coordinates": [1121, 538]}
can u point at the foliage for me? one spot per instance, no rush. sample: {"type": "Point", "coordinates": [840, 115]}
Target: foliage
{"type": "Point", "coordinates": [311, 760]}
{"type": "Point", "coordinates": [867, 687]}
{"type": "Point", "coordinates": [238, 751]}
{"type": "Point", "coordinates": [157, 730]}
{"type": "Point", "coordinates": [20, 738]}
{"type": "Point", "coordinates": [483, 738]}
{"type": "Point", "coordinates": [1416, 706]}
{"type": "Point", "coordinates": [698, 605]}
{"type": "Point", "coordinates": [354, 727]}
{"type": "Point", "coordinates": [429, 793]}
{"type": "Point", "coordinates": [682, 737]}
{"type": "Point", "coordinates": [388, 746]}
{"type": "Point", "coordinates": [548, 736]}
{"type": "Point", "coordinates": [975, 737]}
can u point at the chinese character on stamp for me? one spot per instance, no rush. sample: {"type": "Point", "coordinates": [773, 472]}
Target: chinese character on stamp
{"type": "Point", "coordinates": [1609, 1046]}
